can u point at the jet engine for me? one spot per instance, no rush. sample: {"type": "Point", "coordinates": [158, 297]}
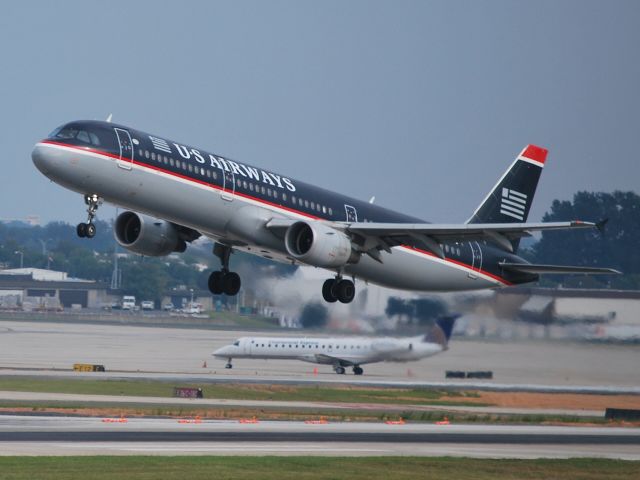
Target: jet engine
{"type": "Point", "coordinates": [147, 235]}
{"type": "Point", "coordinates": [319, 245]}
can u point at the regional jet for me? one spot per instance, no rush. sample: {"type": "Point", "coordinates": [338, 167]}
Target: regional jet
{"type": "Point", "coordinates": [174, 193]}
{"type": "Point", "coordinates": [342, 352]}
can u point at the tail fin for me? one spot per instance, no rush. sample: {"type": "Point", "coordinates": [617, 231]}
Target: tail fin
{"type": "Point", "coordinates": [511, 198]}
{"type": "Point", "coordinates": [441, 331]}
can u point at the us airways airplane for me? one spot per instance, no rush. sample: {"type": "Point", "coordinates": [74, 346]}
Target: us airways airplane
{"type": "Point", "coordinates": [342, 352]}
{"type": "Point", "coordinates": [174, 193]}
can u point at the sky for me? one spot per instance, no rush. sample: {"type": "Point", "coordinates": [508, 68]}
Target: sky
{"type": "Point", "coordinates": [423, 104]}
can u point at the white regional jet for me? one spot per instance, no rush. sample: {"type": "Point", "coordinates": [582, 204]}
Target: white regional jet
{"type": "Point", "coordinates": [342, 352]}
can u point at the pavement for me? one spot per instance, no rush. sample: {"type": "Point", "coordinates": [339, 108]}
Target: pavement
{"type": "Point", "coordinates": [41, 348]}
{"type": "Point", "coordinates": [39, 435]}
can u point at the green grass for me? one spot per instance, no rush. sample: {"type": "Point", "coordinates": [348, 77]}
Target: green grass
{"type": "Point", "coordinates": [308, 468]}
{"type": "Point", "coordinates": [242, 392]}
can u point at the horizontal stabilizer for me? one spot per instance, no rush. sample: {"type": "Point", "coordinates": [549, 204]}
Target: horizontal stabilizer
{"type": "Point", "coordinates": [557, 269]}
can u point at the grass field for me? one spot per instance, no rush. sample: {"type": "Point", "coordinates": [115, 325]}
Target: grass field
{"type": "Point", "coordinates": [243, 392]}
{"type": "Point", "coordinates": [302, 468]}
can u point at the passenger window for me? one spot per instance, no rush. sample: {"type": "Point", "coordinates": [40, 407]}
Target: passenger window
{"type": "Point", "coordinates": [330, 211]}
{"type": "Point", "coordinates": [209, 173]}
{"type": "Point", "coordinates": [214, 174]}
{"type": "Point", "coordinates": [313, 205]}
{"type": "Point", "coordinates": [184, 166]}
{"type": "Point", "coordinates": [293, 199]}
{"type": "Point", "coordinates": [251, 187]}
{"type": "Point", "coordinates": [153, 156]}
{"type": "Point", "coordinates": [190, 168]}
{"type": "Point", "coordinates": [171, 162]}
{"type": "Point", "coordinates": [284, 197]}
{"type": "Point", "coordinates": [324, 209]}
{"type": "Point", "coordinates": [146, 154]}
{"type": "Point", "coordinates": [264, 190]}
{"type": "Point", "coordinates": [306, 203]}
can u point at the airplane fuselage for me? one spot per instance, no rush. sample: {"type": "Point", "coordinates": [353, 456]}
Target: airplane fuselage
{"type": "Point", "coordinates": [231, 202]}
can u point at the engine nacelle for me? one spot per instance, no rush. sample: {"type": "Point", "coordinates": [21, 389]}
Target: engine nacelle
{"type": "Point", "coordinates": [147, 235]}
{"type": "Point", "coordinates": [319, 245]}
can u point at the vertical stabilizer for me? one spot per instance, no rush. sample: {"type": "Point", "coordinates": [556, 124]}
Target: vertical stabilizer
{"type": "Point", "coordinates": [510, 199]}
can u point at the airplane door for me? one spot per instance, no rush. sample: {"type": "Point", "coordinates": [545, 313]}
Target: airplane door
{"type": "Point", "coordinates": [228, 185]}
{"type": "Point", "coordinates": [352, 214]}
{"type": "Point", "coordinates": [476, 259]}
{"type": "Point", "coordinates": [126, 149]}
{"type": "Point", "coordinates": [248, 346]}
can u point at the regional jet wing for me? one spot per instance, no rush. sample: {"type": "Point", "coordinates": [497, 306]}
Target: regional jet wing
{"type": "Point", "coordinates": [330, 359]}
{"type": "Point", "coordinates": [429, 236]}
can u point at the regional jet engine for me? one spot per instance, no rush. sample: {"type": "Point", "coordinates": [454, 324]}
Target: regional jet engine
{"type": "Point", "coordinates": [147, 235]}
{"type": "Point", "coordinates": [319, 245]}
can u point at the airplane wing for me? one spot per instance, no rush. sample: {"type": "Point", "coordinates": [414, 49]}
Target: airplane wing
{"type": "Point", "coordinates": [330, 359]}
{"type": "Point", "coordinates": [429, 236]}
{"type": "Point", "coordinates": [383, 236]}
{"type": "Point", "coordinates": [550, 269]}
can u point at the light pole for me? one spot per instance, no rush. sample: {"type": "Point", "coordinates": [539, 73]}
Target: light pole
{"type": "Point", "coordinates": [191, 290]}
{"type": "Point", "coordinates": [19, 252]}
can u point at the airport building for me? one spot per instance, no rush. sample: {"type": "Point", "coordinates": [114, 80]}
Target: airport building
{"type": "Point", "coordinates": [38, 289]}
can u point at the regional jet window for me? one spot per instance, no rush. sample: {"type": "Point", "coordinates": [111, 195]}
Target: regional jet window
{"type": "Point", "coordinates": [324, 209]}
{"type": "Point", "coordinates": [214, 175]}
{"type": "Point", "coordinates": [306, 203]}
{"type": "Point", "coordinates": [146, 154]}
{"type": "Point", "coordinates": [284, 197]}
{"type": "Point", "coordinates": [313, 205]}
{"type": "Point", "coordinates": [330, 211]}
{"type": "Point", "coordinates": [264, 190]}
{"type": "Point", "coordinates": [190, 168]}
{"type": "Point", "coordinates": [171, 162]}
{"type": "Point", "coordinates": [251, 187]}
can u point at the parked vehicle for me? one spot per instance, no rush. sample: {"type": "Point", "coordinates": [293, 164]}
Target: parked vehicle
{"type": "Point", "coordinates": [128, 302]}
{"type": "Point", "coordinates": [147, 305]}
{"type": "Point", "coordinates": [167, 307]}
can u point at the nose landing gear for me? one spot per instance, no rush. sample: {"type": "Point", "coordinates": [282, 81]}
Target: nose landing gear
{"type": "Point", "coordinates": [88, 229]}
{"type": "Point", "coordinates": [338, 288]}
{"type": "Point", "coordinates": [224, 281]}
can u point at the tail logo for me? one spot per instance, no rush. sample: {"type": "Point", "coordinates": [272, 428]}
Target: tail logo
{"type": "Point", "coordinates": [513, 204]}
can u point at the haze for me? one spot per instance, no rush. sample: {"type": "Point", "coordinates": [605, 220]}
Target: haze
{"type": "Point", "coordinates": [422, 104]}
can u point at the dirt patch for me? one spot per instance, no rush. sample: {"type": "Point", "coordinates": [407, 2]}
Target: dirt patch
{"type": "Point", "coordinates": [569, 401]}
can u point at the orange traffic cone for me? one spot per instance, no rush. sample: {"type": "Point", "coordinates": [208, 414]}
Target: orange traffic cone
{"type": "Point", "coordinates": [204, 365]}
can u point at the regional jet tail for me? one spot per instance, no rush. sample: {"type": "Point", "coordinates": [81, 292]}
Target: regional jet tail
{"type": "Point", "coordinates": [176, 193]}
{"type": "Point", "coordinates": [342, 352]}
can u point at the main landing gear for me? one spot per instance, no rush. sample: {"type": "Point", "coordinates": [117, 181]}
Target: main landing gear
{"type": "Point", "coordinates": [338, 288]}
{"type": "Point", "coordinates": [340, 370]}
{"type": "Point", "coordinates": [228, 365]}
{"type": "Point", "coordinates": [88, 229]}
{"type": "Point", "coordinates": [224, 281]}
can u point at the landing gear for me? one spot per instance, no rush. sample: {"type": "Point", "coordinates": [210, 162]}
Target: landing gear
{"type": "Point", "coordinates": [88, 229]}
{"type": "Point", "coordinates": [339, 370]}
{"type": "Point", "coordinates": [357, 370]}
{"type": "Point", "coordinates": [338, 288]}
{"type": "Point", "coordinates": [224, 281]}
{"type": "Point", "coordinates": [228, 365]}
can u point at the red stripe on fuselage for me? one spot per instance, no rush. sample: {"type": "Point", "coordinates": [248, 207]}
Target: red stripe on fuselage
{"type": "Point", "coordinates": [260, 200]}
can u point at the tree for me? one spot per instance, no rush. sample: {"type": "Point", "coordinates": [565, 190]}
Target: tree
{"type": "Point", "coordinates": [617, 247]}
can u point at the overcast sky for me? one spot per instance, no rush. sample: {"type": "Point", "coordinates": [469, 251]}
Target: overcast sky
{"type": "Point", "coordinates": [422, 104]}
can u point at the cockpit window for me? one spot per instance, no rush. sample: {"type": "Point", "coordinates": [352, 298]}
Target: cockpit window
{"type": "Point", "coordinates": [236, 343]}
{"type": "Point", "coordinates": [70, 132]}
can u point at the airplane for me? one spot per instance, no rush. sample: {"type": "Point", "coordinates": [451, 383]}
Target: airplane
{"type": "Point", "coordinates": [343, 352]}
{"type": "Point", "coordinates": [174, 193]}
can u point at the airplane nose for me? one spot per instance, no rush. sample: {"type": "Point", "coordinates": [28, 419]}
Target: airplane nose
{"type": "Point", "coordinates": [41, 160]}
{"type": "Point", "coordinates": [220, 352]}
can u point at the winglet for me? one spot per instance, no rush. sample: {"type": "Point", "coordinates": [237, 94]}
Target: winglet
{"type": "Point", "coordinates": [601, 224]}
{"type": "Point", "coordinates": [535, 153]}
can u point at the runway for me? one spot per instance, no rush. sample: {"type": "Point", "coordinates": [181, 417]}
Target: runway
{"type": "Point", "coordinates": [36, 435]}
{"type": "Point", "coordinates": [41, 348]}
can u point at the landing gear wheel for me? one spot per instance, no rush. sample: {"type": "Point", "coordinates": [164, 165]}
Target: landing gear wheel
{"type": "Point", "coordinates": [81, 230]}
{"type": "Point", "coordinates": [345, 290]}
{"type": "Point", "coordinates": [228, 365]}
{"type": "Point", "coordinates": [340, 370]}
{"type": "Point", "coordinates": [91, 230]}
{"type": "Point", "coordinates": [88, 229]}
{"type": "Point", "coordinates": [215, 283]}
{"type": "Point", "coordinates": [231, 283]}
{"type": "Point", "coordinates": [328, 291]}
{"type": "Point", "coordinates": [357, 370]}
